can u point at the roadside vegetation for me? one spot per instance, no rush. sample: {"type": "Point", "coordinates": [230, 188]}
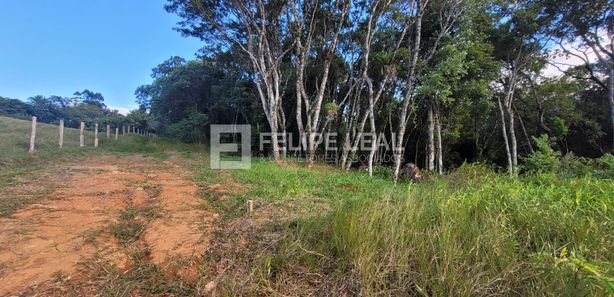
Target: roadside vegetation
{"type": "Point", "coordinates": [471, 232]}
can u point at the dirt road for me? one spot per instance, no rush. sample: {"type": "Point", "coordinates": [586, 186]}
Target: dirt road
{"type": "Point", "coordinates": [102, 211]}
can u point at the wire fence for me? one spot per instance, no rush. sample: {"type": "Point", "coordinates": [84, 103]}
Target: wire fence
{"type": "Point", "coordinates": [106, 132]}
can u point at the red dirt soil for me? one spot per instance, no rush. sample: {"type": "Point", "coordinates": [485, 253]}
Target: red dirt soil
{"type": "Point", "coordinates": [55, 235]}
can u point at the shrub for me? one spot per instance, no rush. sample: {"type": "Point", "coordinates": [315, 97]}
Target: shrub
{"type": "Point", "coordinates": [544, 159]}
{"type": "Point", "coordinates": [604, 166]}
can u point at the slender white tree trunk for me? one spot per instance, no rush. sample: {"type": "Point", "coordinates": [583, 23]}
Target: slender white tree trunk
{"type": "Point", "coordinates": [439, 143]}
{"type": "Point", "coordinates": [512, 131]}
{"type": "Point", "coordinates": [399, 148]}
{"type": "Point", "coordinates": [431, 140]}
{"type": "Point", "coordinates": [611, 99]}
{"type": "Point", "coordinates": [510, 165]}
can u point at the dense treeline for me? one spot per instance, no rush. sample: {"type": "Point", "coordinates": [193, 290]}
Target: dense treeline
{"type": "Point", "coordinates": [440, 81]}
{"type": "Point", "coordinates": [85, 106]}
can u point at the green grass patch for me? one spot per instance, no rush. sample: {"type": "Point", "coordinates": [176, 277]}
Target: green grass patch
{"type": "Point", "coordinates": [10, 205]}
{"type": "Point", "coordinates": [471, 232]}
{"type": "Point", "coordinates": [132, 223]}
{"type": "Point", "coordinates": [307, 190]}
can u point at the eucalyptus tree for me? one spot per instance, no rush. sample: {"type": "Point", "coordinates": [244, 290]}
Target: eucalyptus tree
{"type": "Point", "coordinates": [257, 30]}
{"type": "Point", "coordinates": [380, 33]}
{"type": "Point", "coordinates": [316, 26]}
{"type": "Point", "coordinates": [519, 44]}
{"type": "Point", "coordinates": [448, 13]}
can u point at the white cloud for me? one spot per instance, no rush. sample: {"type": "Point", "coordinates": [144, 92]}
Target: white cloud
{"type": "Point", "coordinates": [123, 109]}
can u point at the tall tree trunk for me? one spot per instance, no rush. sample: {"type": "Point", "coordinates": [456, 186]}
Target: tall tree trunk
{"type": "Point", "coordinates": [439, 142]}
{"type": "Point", "coordinates": [512, 131]}
{"type": "Point", "coordinates": [313, 109]}
{"type": "Point", "coordinates": [510, 168]}
{"type": "Point", "coordinates": [284, 134]}
{"type": "Point", "coordinates": [611, 99]}
{"type": "Point", "coordinates": [399, 147]}
{"type": "Point", "coordinates": [373, 139]}
{"type": "Point", "coordinates": [431, 140]}
{"type": "Point", "coordinates": [526, 135]}
{"type": "Point", "coordinates": [274, 138]}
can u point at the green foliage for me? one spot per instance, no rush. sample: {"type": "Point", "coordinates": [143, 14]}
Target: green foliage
{"type": "Point", "coordinates": [191, 129]}
{"type": "Point", "coordinates": [185, 96]}
{"type": "Point", "coordinates": [14, 108]}
{"type": "Point", "coordinates": [604, 166]}
{"type": "Point", "coordinates": [544, 159]}
{"type": "Point", "coordinates": [547, 160]}
{"type": "Point", "coordinates": [86, 107]}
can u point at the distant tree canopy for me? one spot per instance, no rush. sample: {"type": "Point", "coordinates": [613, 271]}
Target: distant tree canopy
{"type": "Point", "coordinates": [186, 97]}
{"type": "Point", "coordinates": [86, 106]}
{"type": "Point", "coordinates": [453, 80]}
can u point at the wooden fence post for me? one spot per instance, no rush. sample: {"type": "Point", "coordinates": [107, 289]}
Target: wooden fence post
{"type": "Point", "coordinates": [250, 206]}
{"type": "Point", "coordinates": [116, 132]}
{"type": "Point", "coordinates": [95, 135]}
{"type": "Point", "coordinates": [128, 129]}
{"type": "Point", "coordinates": [81, 137]}
{"type": "Point", "coordinates": [123, 129]}
{"type": "Point", "coordinates": [33, 135]}
{"type": "Point", "coordinates": [108, 131]}
{"type": "Point", "coordinates": [61, 140]}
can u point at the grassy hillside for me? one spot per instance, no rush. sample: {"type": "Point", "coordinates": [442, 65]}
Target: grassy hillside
{"type": "Point", "coordinates": [15, 142]}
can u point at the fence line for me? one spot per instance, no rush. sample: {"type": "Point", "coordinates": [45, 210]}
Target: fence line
{"type": "Point", "coordinates": [82, 135]}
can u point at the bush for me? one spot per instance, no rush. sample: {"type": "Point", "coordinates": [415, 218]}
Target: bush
{"type": "Point", "coordinates": [544, 159]}
{"type": "Point", "coordinates": [604, 166]}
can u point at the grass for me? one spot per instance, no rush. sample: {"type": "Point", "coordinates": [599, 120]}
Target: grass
{"type": "Point", "coordinates": [16, 140]}
{"type": "Point", "coordinates": [470, 233]}
{"type": "Point", "coordinates": [132, 222]}
{"type": "Point", "coordinates": [304, 190]}
{"type": "Point", "coordinates": [494, 235]}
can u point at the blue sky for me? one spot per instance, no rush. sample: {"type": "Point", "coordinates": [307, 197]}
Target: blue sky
{"type": "Point", "coordinates": [56, 47]}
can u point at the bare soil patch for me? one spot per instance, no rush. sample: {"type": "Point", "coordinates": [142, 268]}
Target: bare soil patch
{"type": "Point", "coordinates": [66, 231]}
